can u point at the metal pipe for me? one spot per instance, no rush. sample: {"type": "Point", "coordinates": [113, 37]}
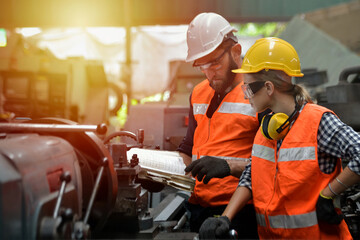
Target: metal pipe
{"type": "Point", "coordinates": [346, 73]}
{"type": "Point", "coordinates": [40, 127]}
{"type": "Point", "coordinates": [119, 134]}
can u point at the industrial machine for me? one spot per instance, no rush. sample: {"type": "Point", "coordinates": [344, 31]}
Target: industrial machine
{"type": "Point", "coordinates": [35, 84]}
{"type": "Point", "coordinates": [61, 180]}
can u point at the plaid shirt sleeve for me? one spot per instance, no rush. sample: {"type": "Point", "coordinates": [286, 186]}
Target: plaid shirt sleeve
{"type": "Point", "coordinates": [337, 139]}
{"type": "Point", "coordinates": [245, 179]}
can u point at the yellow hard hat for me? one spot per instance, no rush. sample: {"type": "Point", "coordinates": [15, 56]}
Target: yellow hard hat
{"type": "Point", "coordinates": [271, 53]}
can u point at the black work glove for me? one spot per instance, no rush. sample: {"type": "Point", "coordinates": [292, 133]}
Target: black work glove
{"type": "Point", "coordinates": [209, 166]}
{"type": "Point", "coordinates": [215, 228]}
{"type": "Point", "coordinates": [325, 211]}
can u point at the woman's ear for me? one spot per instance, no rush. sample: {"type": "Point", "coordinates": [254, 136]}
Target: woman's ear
{"type": "Point", "coordinates": [236, 53]}
{"type": "Point", "coordinates": [269, 87]}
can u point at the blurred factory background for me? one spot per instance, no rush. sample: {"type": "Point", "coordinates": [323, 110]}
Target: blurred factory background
{"type": "Point", "coordinates": [87, 62]}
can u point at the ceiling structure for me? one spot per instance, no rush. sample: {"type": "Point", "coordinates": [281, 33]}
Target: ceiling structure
{"type": "Point", "coordinates": [340, 22]}
{"type": "Point", "coordinates": [96, 13]}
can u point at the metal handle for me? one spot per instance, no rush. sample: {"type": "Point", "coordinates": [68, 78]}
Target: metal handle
{"type": "Point", "coordinates": [64, 178]}
{"type": "Point", "coordinates": [96, 187]}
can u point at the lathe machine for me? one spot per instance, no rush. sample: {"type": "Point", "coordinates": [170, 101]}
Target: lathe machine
{"type": "Point", "coordinates": [61, 180]}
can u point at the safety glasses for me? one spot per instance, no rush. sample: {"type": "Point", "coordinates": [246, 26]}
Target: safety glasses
{"type": "Point", "coordinates": [213, 65]}
{"type": "Point", "coordinates": [250, 89]}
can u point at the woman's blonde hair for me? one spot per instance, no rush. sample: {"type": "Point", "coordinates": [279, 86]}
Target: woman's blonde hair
{"type": "Point", "coordinates": [282, 83]}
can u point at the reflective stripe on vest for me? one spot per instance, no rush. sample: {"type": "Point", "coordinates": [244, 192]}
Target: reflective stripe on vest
{"type": "Point", "coordinates": [232, 107]}
{"type": "Point", "coordinates": [226, 107]}
{"type": "Point", "coordinates": [200, 108]}
{"type": "Point", "coordinates": [263, 152]}
{"type": "Point", "coordinates": [285, 154]}
{"type": "Point", "coordinates": [194, 157]}
{"type": "Point", "coordinates": [289, 221]}
{"type": "Point", "coordinates": [260, 218]}
{"type": "Point", "coordinates": [297, 154]}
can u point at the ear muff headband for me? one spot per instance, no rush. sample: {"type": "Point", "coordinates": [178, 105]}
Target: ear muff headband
{"type": "Point", "coordinates": [288, 120]}
{"type": "Point", "coordinates": [265, 125]}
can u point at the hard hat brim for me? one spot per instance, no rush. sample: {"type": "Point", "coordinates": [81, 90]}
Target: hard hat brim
{"type": "Point", "coordinates": [247, 71]}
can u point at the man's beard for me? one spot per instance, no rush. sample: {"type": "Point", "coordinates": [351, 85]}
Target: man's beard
{"type": "Point", "coordinates": [228, 80]}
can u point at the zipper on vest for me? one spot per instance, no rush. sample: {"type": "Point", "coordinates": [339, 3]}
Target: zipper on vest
{"type": "Point", "coordinates": [208, 130]}
{"type": "Point", "coordinates": [208, 136]}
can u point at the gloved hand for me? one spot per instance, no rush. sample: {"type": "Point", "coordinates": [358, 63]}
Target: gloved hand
{"type": "Point", "coordinates": [209, 167]}
{"type": "Point", "coordinates": [215, 228]}
{"type": "Point", "coordinates": [325, 211]}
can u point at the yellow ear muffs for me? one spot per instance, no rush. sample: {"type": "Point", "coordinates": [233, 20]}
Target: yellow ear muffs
{"type": "Point", "coordinates": [271, 126]}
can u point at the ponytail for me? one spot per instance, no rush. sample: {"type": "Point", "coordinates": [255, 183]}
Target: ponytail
{"type": "Point", "coordinates": [301, 95]}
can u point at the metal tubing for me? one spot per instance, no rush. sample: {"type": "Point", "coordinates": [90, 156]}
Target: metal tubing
{"type": "Point", "coordinates": [119, 134]}
{"type": "Point", "coordinates": [347, 72]}
{"type": "Point", "coordinates": [37, 127]}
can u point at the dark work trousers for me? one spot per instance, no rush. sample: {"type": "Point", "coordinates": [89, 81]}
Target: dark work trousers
{"type": "Point", "coordinates": [244, 221]}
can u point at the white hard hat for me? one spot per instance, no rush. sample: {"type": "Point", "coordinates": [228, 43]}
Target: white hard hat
{"type": "Point", "coordinates": [205, 33]}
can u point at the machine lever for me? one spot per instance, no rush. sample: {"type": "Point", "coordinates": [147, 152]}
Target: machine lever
{"type": "Point", "coordinates": [96, 187]}
{"type": "Point", "coordinates": [64, 178]}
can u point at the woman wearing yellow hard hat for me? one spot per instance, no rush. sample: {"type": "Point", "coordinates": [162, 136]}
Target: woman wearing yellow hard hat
{"type": "Point", "coordinates": [295, 171]}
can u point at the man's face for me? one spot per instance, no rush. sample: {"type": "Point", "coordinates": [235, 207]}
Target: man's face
{"type": "Point", "coordinates": [217, 67]}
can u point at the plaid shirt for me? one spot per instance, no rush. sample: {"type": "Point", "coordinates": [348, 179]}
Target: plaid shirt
{"type": "Point", "coordinates": [335, 140]}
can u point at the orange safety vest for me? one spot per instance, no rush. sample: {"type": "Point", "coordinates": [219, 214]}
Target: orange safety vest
{"type": "Point", "coordinates": [286, 184]}
{"type": "Point", "coordinates": [228, 134]}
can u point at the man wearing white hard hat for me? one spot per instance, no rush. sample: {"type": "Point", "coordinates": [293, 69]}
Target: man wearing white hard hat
{"type": "Point", "coordinates": [222, 124]}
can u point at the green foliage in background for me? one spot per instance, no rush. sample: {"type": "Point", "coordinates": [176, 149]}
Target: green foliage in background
{"type": "Point", "coordinates": [122, 112]}
{"type": "Point", "coordinates": [270, 29]}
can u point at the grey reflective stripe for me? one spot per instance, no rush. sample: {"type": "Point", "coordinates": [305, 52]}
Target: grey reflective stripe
{"type": "Point", "coordinates": [234, 158]}
{"type": "Point", "coordinates": [263, 152]}
{"type": "Point", "coordinates": [296, 154]}
{"type": "Point", "coordinates": [293, 221]}
{"type": "Point", "coordinates": [194, 157]}
{"type": "Point", "coordinates": [242, 108]}
{"type": "Point", "coordinates": [260, 218]}
{"type": "Point", "coordinates": [230, 158]}
{"type": "Point", "coordinates": [200, 108]}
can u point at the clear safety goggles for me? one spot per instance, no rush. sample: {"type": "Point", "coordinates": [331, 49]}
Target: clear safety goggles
{"type": "Point", "coordinates": [213, 65]}
{"type": "Point", "coordinates": [250, 89]}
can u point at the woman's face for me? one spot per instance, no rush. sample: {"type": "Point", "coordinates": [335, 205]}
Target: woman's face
{"type": "Point", "coordinates": [255, 91]}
